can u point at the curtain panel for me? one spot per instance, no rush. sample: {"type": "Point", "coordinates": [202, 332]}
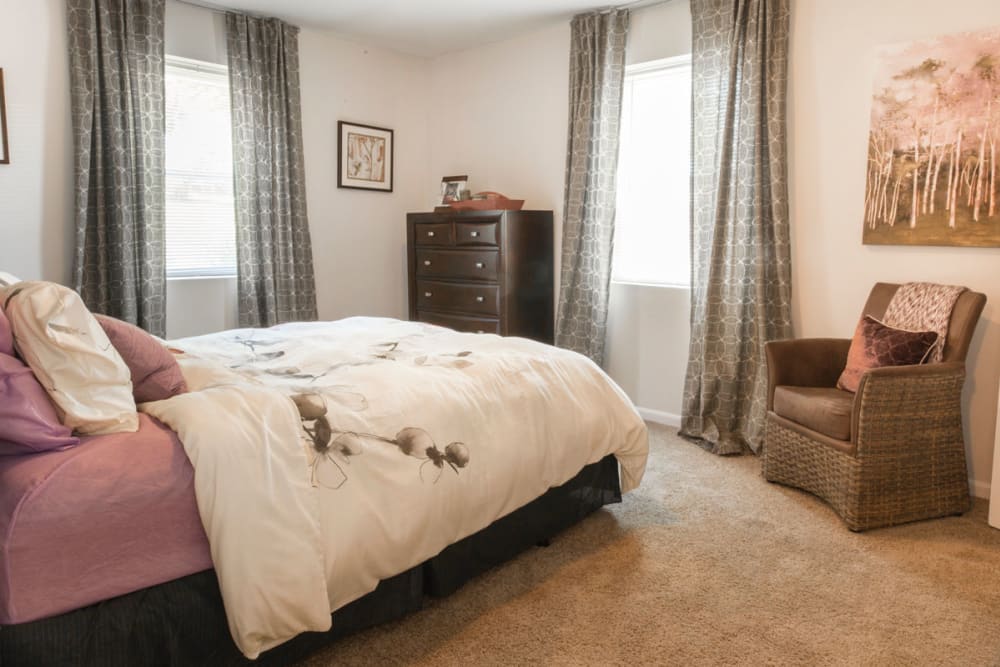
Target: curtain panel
{"type": "Point", "coordinates": [596, 82]}
{"type": "Point", "coordinates": [741, 264]}
{"type": "Point", "coordinates": [116, 59]}
{"type": "Point", "coordinates": [274, 251]}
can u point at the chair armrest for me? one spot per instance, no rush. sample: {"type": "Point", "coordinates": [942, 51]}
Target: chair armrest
{"type": "Point", "coordinates": [805, 362]}
{"type": "Point", "coordinates": [901, 406]}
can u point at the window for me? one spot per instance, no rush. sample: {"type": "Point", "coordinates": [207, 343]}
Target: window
{"type": "Point", "coordinates": [652, 223]}
{"type": "Point", "coordinates": [200, 211]}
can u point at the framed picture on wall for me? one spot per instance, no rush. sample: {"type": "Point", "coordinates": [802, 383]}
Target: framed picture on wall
{"type": "Point", "coordinates": [4, 148]}
{"type": "Point", "coordinates": [931, 168]}
{"type": "Point", "coordinates": [365, 157]}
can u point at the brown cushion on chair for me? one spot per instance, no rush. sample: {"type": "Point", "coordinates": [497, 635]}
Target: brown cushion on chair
{"type": "Point", "coordinates": [876, 345]}
{"type": "Point", "coordinates": [821, 409]}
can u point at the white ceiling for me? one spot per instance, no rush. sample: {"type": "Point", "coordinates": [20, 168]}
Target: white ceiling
{"type": "Point", "coordinates": [419, 27]}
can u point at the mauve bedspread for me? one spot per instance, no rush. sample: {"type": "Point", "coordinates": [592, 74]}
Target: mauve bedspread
{"type": "Point", "coordinates": [113, 515]}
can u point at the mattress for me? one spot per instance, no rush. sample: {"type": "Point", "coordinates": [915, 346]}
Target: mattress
{"type": "Point", "coordinates": [113, 515]}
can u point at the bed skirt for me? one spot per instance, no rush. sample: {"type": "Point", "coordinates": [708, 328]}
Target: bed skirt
{"type": "Point", "coordinates": [182, 622]}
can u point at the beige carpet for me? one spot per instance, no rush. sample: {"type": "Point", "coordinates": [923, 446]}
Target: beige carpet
{"type": "Point", "coordinates": [708, 564]}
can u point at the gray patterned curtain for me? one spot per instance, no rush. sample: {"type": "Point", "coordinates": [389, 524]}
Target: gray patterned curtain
{"type": "Point", "coordinates": [117, 100]}
{"type": "Point", "coordinates": [741, 265]}
{"type": "Point", "coordinates": [596, 78]}
{"type": "Point", "coordinates": [274, 251]}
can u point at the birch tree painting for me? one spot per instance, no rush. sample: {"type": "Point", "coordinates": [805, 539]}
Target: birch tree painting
{"type": "Point", "coordinates": [932, 149]}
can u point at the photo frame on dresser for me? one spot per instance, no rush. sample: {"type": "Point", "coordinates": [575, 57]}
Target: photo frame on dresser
{"type": "Point", "coordinates": [4, 147]}
{"type": "Point", "coordinates": [454, 188]}
{"type": "Point", "coordinates": [365, 156]}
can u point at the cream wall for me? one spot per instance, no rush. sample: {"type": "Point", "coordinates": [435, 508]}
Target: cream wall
{"type": "Point", "coordinates": [499, 114]}
{"type": "Point", "coordinates": [358, 237]}
{"type": "Point", "coordinates": [521, 152]}
{"type": "Point", "coordinates": [831, 68]}
{"type": "Point", "coordinates": [649, 326]}
{"type": "Point", "coordinates": [36, 188]}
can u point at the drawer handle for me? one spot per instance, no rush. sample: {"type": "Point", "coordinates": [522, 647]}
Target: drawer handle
{"type": "Point", "coordinates": [479, 299]}
{"type": "Point", "coordinates": [474, 234]}
{"type": "Point", "coordinates": [480, 265]}
{"type": "Point", "coordinates": [430, 233]}
{"type": "Point", "coordinates": [428, 294]}
{"type": "Point", "coordinates": [427, 262]}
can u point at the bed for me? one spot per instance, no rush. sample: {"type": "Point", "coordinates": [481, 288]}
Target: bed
{"type": "Point", "coordinates": [409, 459]}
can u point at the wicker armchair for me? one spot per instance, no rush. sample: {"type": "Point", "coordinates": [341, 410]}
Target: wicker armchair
{"type": "Point", "coordinates": [891, 453]}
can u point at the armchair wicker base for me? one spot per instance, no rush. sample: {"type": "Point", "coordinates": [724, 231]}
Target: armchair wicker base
{"type": "Point", "coordinates": [901, 482]}
{"type": "Point", "coordinates": [894, 451]}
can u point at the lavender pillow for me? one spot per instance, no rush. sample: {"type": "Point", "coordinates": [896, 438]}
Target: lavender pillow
{"type": "Point", "coordinates": [6, 335]}
{"type": "Point", "coordinates": [155, 373]}
{"type": "Point", "coordinates": [28, 420]}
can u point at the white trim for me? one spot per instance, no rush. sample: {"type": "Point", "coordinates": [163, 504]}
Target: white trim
{"type": "Point", "coordinates": [658, 65]}
{"type": "Point", "coordinates": [197, 65]}
{"type": "Point", "coordinates": [980, 489]}
{"type": "Point", "coordinates": [639, 283]}
{"type": "Point", "coordinates": [660, 417]}
{"type": "Point", "coordinates": [201, 276]}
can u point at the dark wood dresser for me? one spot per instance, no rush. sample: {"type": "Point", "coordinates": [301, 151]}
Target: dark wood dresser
{"type": "Point", "coordinates": [483, 271]}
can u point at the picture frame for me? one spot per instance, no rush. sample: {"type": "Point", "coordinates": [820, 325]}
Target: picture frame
{"type": "Point", "coordinates": [930, 172]}
{"type": "Point", "coordinates": [365, 157]}
{"type": "Point", "coordinates": [452, 188]}
{"type": "Point", "coordinates": [4, 146]}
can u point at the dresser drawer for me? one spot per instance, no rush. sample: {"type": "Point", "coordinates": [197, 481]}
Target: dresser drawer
{"type": "Point", "coordinates": [476, 233]}
{"type": "Point", "coordinates": [475, 264]}
{"type": "Point", "coordinates": [461, 322]}
{"type": "Point", "coordinates": [433, 233]}
{"type": "Point", "coordinates": [467, 298]}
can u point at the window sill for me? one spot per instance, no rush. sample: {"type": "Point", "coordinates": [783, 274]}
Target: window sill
{"type": "Point", "coordinates": [634, 283]}
{"type": "Point", "coordinates": [185, 278]}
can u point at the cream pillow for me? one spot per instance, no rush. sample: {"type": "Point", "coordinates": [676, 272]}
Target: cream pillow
{"type": "Point", "coordinates": [72, 357]}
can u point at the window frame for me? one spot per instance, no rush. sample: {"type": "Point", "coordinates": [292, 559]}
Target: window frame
{"type": "Point", "coordinates": [643, 70]}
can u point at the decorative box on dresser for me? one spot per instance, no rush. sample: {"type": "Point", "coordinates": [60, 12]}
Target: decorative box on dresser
{"type": "Point", "coordinates": [483, 271]}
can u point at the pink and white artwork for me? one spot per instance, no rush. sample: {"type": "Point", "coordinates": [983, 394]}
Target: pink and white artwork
{"type": "Point", "coordinates": [932, 149]}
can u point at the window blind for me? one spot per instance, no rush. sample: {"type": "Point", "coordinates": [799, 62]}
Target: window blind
{"type": "Point", "coordinates": [652, 220]}
{"type": "Point", "coordinates": [200, 211]}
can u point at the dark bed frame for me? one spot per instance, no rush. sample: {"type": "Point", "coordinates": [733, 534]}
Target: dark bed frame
{"type": "Point", "coordinates": [182, 622]}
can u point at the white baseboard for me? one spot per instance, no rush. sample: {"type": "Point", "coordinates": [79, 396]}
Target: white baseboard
{"type": "Point", "coordinates": [980, 489]}
{"type": "Point", "coordinates": [660, 417]}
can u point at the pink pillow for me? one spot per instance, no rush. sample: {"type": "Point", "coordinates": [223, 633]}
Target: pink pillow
{"type": "Point", "coordinates": [876, 344]}
{"type": "Point", "coordinates": [155, 373]}
{"type": "Point", "coordinates": [28, 420]}
{"type": "Point", "coordinates": [6, 335]}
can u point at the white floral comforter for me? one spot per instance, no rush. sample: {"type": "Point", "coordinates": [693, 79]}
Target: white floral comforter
{"type": "Point", "coordinates": [329, 456]}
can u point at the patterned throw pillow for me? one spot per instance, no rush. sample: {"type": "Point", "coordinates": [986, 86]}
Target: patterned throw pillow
{"type": "Point", "coordinates": [876, 345]}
